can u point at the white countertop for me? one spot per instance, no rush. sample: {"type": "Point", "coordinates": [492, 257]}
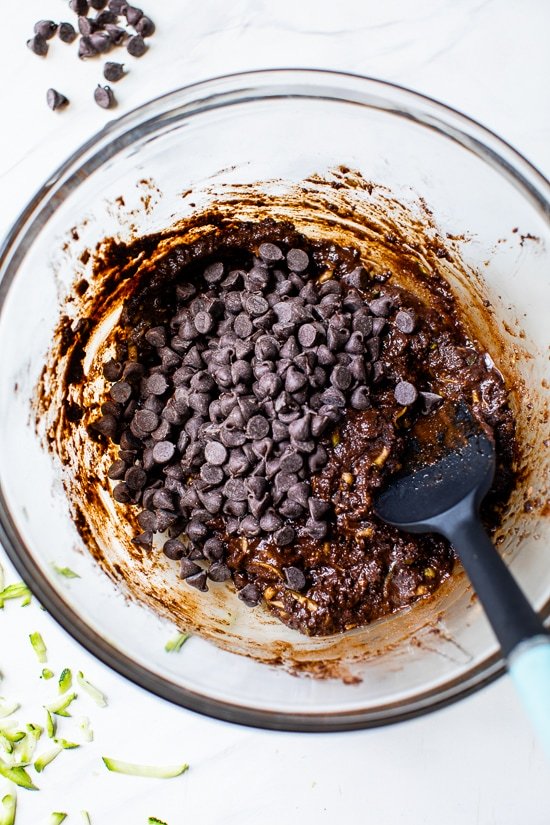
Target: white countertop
{"type": "Point", "coordinates": [475, 763]}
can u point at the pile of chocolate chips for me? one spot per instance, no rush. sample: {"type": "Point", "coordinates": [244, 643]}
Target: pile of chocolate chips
{"type": "Point", "coordinates": [96, 35]}
{"type": "Point", "coordinates": [221, 421]}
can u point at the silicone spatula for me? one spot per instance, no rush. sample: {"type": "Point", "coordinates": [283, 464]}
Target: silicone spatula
{"type": "Point", "coordinates": [444, 497]}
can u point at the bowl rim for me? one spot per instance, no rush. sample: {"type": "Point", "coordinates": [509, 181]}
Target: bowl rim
{"type": "Point", "coordinates": [215, 92]}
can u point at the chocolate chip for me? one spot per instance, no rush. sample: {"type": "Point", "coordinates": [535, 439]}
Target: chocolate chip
{"type": "Point", "coordinates": [250, 595]}
{"type": "Point", "coordinates": [133, 14]}
{"type": "Point", "coordinates": [360, 398]}
{"type": "Point", "coordinates": [307, 335]}
{"type": "Point", "coordinates": [235, 490]}
{"type": "Point", "coordinates": [144, 540]}
{"type": "Point", "coordinates": [156, 384]}
{"type": "Point", "coordinates": [270, 253]}
{"type": "Point", "coordinates": [284, 536]}
{"type": "Point", "coordinates": [56, 100]}
{"type": "Point", "coordinates": [38, 45]}
{"type": "Point", "coordinates": [174, 550]}
{"type": "Point", "coordinates": [145, 26]}
{"type": "Point", "coordinates": [86, 48]}
{"type": "Point", "coordinates": [135, 478]}
{"type": "Point", "coordinates": [405, 321]}
{"type": "Point", "coordinates": [219, 572]}
{"type": "Point", "coordinates": [147, 520]}
{"type": "Point", "coordinates": [106, 425]}
{"type": "Point", "coordinates": [242, 325]}
{"type": "Point", "coordinates": [316, 529]}
{"type": "Point", "coordinates": [405, 393]}
{"type": "Point", "coordinates": [294, 578]}
{"type": "Point", "coordinates": [258, 427]}
{"type": "Point", "coordinates": [45, 28]}
{"type": "Point", "coordinates": [80, 7]}
{"type": "Point", "coordinates": [380, 306]}
{"type": "Point", "coordinates": [98, 4]}
{"type": "Point", "coordinates": [122, 493]}
{"type": "Point", "coordinates": [430, 400]}
{"type": "Point", "coordinates": [215, 453]}
{"type": "Point", "coordinates": [297, 260]}
{"type": "Point", "coordinates": [196, 530]}
{"type": "Point", "coordinates": [136, 46]}
{"type": "Point", "coordinates": [341, 377]}
{"type": "Point", "coordinates": [163, 452]}
{"type": "Point", "coordinates": [188, 568]}
{"type": "Point", "coordinates": [113, 72]}
{"type": "Point", "coordinates": [104, 96]}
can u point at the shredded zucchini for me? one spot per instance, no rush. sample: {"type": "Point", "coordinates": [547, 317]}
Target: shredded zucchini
{"type": "Point", "coordinates": [65, 680]}
{"type": "Point", "coordinates": [51, 724]}
{"type": "Point", "coordinates": [175, 644]}
{"type": "Point", "coordinates": [167, 772]}
{"type": "Point", "coordinates": [44, 760]}
{"type": "Point", "coordinates": [99, 698]}
{"type": "Point", "coordinates": [7, 813]}
{"type": "Point", "coordinates": [154, 821]}
{"type": "Point", "coordinates": [57, 818]}
{"type": "Point", "coordinates": [65, 571]}
{"type": "Point", "coordinates": [87, 732]}
{"type": "Point", "coordinates": [59, 707]}
{"type": "Point", "coordinates": [86, 817]}
{"type": "Point", "coordinates": [47, 673]}
{"type": "Point", "coordinates": [18, 775]}
{"type": "Point", "coordinates": [66, 745]}
{"type": "Point", "coordinates": [15, 591]}
{"type": "Point", "coordinates": [25, 749]}
{"type": "Point", "coordinates": [39, 647]}
{"type": "Point", "coordinates": [7, 708]}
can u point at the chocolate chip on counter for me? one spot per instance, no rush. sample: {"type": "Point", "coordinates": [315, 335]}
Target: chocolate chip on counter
{"type": "Point", "coordinates": [45, 28]}
{"type": "Point", "coordinates": [147, 520]}
{"type": "Point", "coordinates": [106, 425]}
{"type": "Point", "coordinates": [250, 595]}
{"type": "Point", "coordinates": [117, 469]}
{"type": "Point", "coordinates": [430, 400]}
{"type": "Point", "coordinates": [80, 7]}
{"type": "Point", "coordinates": [117, 6]}
{"type": "Point", "coordinates": [213, 549]}
{"type": "Point", "coordinates": [101, 42]}
{"type": "Point", "coordinates": [38, 45]}
{"type": "Point", "coordinates": [86, 49]}
{"type": "Point", "coordinates": [98, 4]}
{"type": "Point", "coordinates": [145, 26]}
{"type": "Point", "coordinates": [55, 99]}
{"type": "Point", "coordinates": [132, 14]}
{"type": "Point", "coordinates": [136, 46]}
{"type": "Point", "coordinates": [405, 393]}
{"type": "Point", "coordinates": [103, 95]}
{"type": "Point", "coordinates": [405, 321]}
{"type": "Point", "coordinates": [86, 26]}
{"type": "Point", "coordinates": [66, 32]}
{"type": "Point", "coordinates": [121, 392]}
{"type": "Point", "coordinates": [294, 578]}
{"type": "Point", "coordinates": [112, 370]}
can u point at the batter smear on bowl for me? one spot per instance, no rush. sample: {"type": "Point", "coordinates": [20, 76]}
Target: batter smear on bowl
{"type": "Point", "coordinates": [262, 390]}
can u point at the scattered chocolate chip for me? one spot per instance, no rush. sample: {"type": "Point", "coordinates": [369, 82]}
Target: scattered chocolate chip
{"type": "Point", "coordinates": [98, 4]}
{"type": "Point", "coordinates": [80, 7]}
{"type": "Point", "coordinates": [136, 46]}
{"type": "Point", "coordinates": [132, 14]}
{"type": "Point", "coordinates": [55, 99]}
{"type": "Point", "coordinates": [86, 49]}
{"type": "Point", "coordinates": [45, 28]}
{"type": "Point", "coordinates": [66, 32]}
{"type": "Point", "coordinates": [101, 43]}
{"type": "Point", "coordinates": [270, 253]}
{"type": "Point", "coordinates": [215, 453]}
{"type": "Point", "coordinates": [38, 44]}
{"type": "Point", "coordinates": [174, 549]}
{"type": "Point", "coordinates": [188, 568]}
{"type": "Point", "coordinates": [145, 26]}
{"type": "Point", "coordinates": [103, 95]}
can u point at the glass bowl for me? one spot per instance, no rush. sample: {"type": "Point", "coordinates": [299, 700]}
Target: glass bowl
{"type": "Point", "coordinates": [272, 132]}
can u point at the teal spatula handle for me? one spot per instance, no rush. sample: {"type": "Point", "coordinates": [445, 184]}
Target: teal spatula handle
{"type": "Point", "coordinates": [529, 667]}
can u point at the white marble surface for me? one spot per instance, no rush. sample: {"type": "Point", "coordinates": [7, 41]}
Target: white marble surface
{"type": "Point", "coordinates": [475, 763]}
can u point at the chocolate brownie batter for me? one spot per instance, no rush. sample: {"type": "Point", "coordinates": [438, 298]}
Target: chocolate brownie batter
{"type": "Point", "coordinates": [264, 387]}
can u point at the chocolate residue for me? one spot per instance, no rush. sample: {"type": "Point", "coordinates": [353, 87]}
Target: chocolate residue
{"type": "Point", "coordinates": [341, 208]}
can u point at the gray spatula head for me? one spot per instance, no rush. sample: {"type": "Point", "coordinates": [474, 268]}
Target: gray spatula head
{"type": "Point", "coordinates": [422, 498]}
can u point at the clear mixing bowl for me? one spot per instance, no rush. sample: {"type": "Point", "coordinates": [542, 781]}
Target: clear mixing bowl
{"type": "Point", "coordinates": [273, 130]}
